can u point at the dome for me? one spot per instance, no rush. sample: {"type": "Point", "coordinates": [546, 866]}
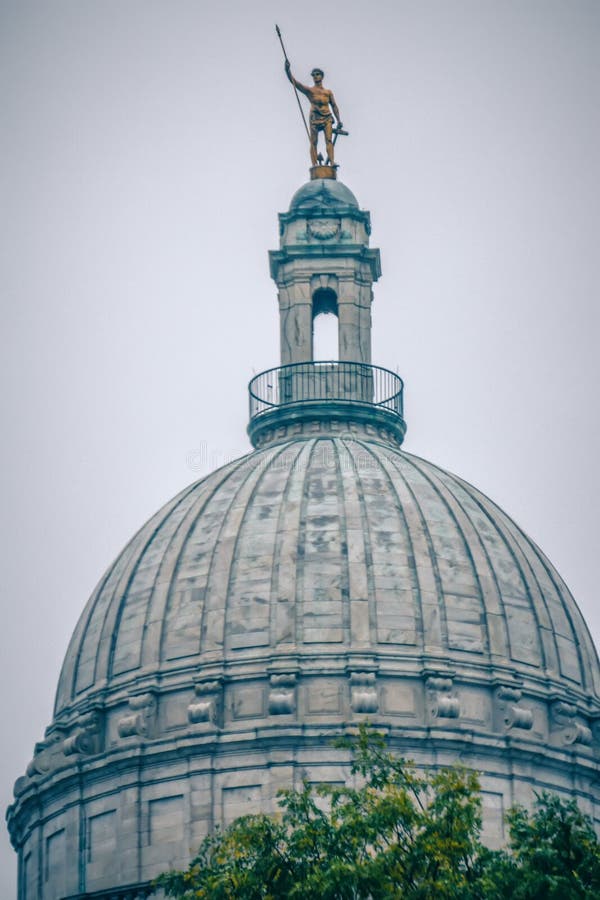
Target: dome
{"type": "Point", "coordinates": [272, 553]}
{"type": "Point", "coordinates": [326, 577]}
{"type": "Point", "coordinates": [325, 193]}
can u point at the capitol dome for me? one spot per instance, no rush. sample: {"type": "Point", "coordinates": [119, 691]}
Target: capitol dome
{"type": "Point", "coordinates": [318, 550]}
{"type": "Point", "coordinates": [326, 577]}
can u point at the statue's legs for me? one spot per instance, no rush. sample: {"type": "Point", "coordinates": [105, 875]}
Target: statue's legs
{"type": "Point", "coordinates": [314, 136]}
{"type": "Point", "coordinates": [328, 129]}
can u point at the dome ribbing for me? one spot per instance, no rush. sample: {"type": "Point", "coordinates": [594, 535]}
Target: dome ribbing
{"type": "Point", "coordinates": [268, 555]}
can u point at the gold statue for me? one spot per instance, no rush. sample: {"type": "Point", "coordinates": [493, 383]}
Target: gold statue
{"type": "Point", "coordinates": [321, 119]}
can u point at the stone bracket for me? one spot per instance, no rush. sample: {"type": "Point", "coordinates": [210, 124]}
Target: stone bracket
{"type": "Point", "coordinates": [566, 729]}
{"type": "Point", "coordinates": [46, 755]}
{"type": "Point", "coordinates": [441, 698]}
{"type": "Point", "coordinates": [141, 720]}
{"type": "Point", "coordinates": [206, 708]}
{"type": "Point", "coordinates": [282, 694]}
{"type": "Point", "coordinates": [86, 738]}
{"type": "Point", "coordinates": [508, 714]}
{"type": "Point", "coordinates": [363, 692]}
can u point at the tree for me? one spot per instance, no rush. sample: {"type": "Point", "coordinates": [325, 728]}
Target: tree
{"type": "Point", "coordinates": [553, 855]}
{"type": "Point", "coordinates": [395, 834]}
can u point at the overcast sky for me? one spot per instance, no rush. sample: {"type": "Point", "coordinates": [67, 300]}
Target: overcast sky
{"type": "Point", "coordinates": [147, 146]}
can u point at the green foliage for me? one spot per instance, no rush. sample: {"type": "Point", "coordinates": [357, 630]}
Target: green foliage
{"type": "Point", "coordinates": [394, 834]}
{"type": "Point", "coordinates": [553, 855]}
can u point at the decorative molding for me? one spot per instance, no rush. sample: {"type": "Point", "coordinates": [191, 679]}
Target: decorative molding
{"type": "Point", "coordinates": [323, 229]}
{"type": "Point", "coordinates": [47, 755]}
{"type": "Point", "coordinates": [507, 713]}
{"type": "Point", "coordinates": [206, 708]}
{"type": "Point", "coordinates": [563, 712]}
{"type": "Point", "coordinates": [363, 692]}
{"type": "Point", "coordinates": [577, 734]}
{"type": "Point", "coordinates": [142, 719]}
{"type": "Point", "coordinates": [442, 702]}
{"type": "Point", "coordinates": [566, 729]}
{"type": "Point", "coordinates": [86, 738]}
{"type": "Point", "coordinates": [282, 694]}
{"type": "Point", "coordinates": [295, 426]}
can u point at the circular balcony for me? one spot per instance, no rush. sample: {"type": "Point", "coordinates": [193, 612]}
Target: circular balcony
{"type": "Point", "coordinates": [338, 392]}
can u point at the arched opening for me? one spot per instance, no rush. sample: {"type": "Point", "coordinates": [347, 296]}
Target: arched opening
{"type": "Point", "coordinates": [325, 325]}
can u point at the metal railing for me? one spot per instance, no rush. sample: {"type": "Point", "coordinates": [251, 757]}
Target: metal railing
{"type": "Point", "coordinates": [308, 382]}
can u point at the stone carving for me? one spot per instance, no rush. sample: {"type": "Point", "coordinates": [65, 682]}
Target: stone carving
{"type": "Point", "coordinates": [508, 714]}
{"type": "Point", "coordinates": [46, 754]}
{"type": "Point", "coordinates": [205, 709]}
{"type": "Point", "coordinates": [141, 721]}
{"type": "Point", "coordinates": [324, 281]}
{"type": "Point", "coordinates": [304, 235]}
{"type": "Point", "coordinates": [282, 695]}
{"type": "Point", "coordinates": [328, 426]}
{"type": "Point", "coordinates": [518, 717]}
{"type": "Point", "coordinates": [363, 692]}
{"type": "Point", "coordinates": [577, 734]}
{"type": "Point", "coordinates": [563, 712]}
{"type": "Point", "coordinates": [566, 728]}
{"type": "Point", "coordinates": [40, 764]}
{"type": "Point", "coordinates": [441, 700]}
{"type": "Point", "coordinates": [20, 785]}
{"type": "Point", "coordinates": [323, 229]}
{"type": "Point", "coordinates": [85, 739]}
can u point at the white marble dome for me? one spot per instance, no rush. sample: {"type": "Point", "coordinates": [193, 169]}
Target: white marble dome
{"type": "Point", "coordinates": [326, 577]}
{"type": "Point", "coordinates": [266, 609]}
{"type": "Point", "coordinates": [328, 546]}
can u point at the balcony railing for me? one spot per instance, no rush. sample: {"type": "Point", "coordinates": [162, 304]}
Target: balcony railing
{"type": "Point", "coordinates": [310, 382]}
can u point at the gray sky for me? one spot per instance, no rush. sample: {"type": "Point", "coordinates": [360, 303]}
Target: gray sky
{"type": "Point", "coordinates": [147, 147]}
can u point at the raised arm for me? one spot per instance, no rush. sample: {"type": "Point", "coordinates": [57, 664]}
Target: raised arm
{"type": "Point", "coordinates": [300, 87]}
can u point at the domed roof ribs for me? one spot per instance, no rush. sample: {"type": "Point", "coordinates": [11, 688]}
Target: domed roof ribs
{"type": "Point", "coordinates": [284, 621]}
{"type": "Point", "coordinates": [496, 638]}
{"type": "Point", "coordinates": [91, 641]}
{"type": "Point", "coordinates": [109, 633]}
{"type": "Point", "coordinates": [557, 604]}
{"type": "Point", "coordinates": [464, 603]}
{"type": "Point", "coordinates": [181, 633]}
{"type": "Point", "coordinates": [540, 599]}
{"type": "Point", "coordinates": [492, 604]}
{"type": "Point", "coordinates": [361, 584]}
{"type": "Point", "coordinates": [299, 551]}
{"type": "Point", "coordinates": [591, 665]}
{"type": "Point", "coordinates": [242, 622]}
{"type": "Point", "coordinates": [65, 690]}
{"type": "Point", "coordinates": [535, 596]}
{"type": "Point", "coordinates": [416, 594]}
{"type": "Point", "coordinates": [160, 606]}
{"type": "Point", "coordinates": [214, 612]}
{"type": "Point", "coordinates": [435, 637]}
{"type": "Point", "coordinates": [356, 631]}
{"type": "Point", "coordinates": [318, 585]}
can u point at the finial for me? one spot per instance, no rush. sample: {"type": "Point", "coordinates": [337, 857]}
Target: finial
{"type": "Point", "coordinates": [323, 109]}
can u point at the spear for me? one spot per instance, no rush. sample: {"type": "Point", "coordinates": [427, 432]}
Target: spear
{"type": "Point", "coordinates": [293, 85]}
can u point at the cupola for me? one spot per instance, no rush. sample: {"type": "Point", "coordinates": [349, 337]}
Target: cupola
{"type": "Point", "coordinates": [325, 266]}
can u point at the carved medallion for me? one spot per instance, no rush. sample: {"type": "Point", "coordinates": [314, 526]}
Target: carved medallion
{"type": "Point", "coordinates": [324, 229]}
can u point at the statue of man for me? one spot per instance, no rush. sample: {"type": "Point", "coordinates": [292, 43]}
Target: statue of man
{"type": "Point", "coordinates": [320, 116]}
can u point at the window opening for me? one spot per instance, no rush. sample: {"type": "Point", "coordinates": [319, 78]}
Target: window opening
{"type": "Point", "coordinates": [325, 325]}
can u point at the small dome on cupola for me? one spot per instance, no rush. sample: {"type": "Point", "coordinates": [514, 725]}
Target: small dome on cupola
{"type": "Point", "coordinates": [322, 192]}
